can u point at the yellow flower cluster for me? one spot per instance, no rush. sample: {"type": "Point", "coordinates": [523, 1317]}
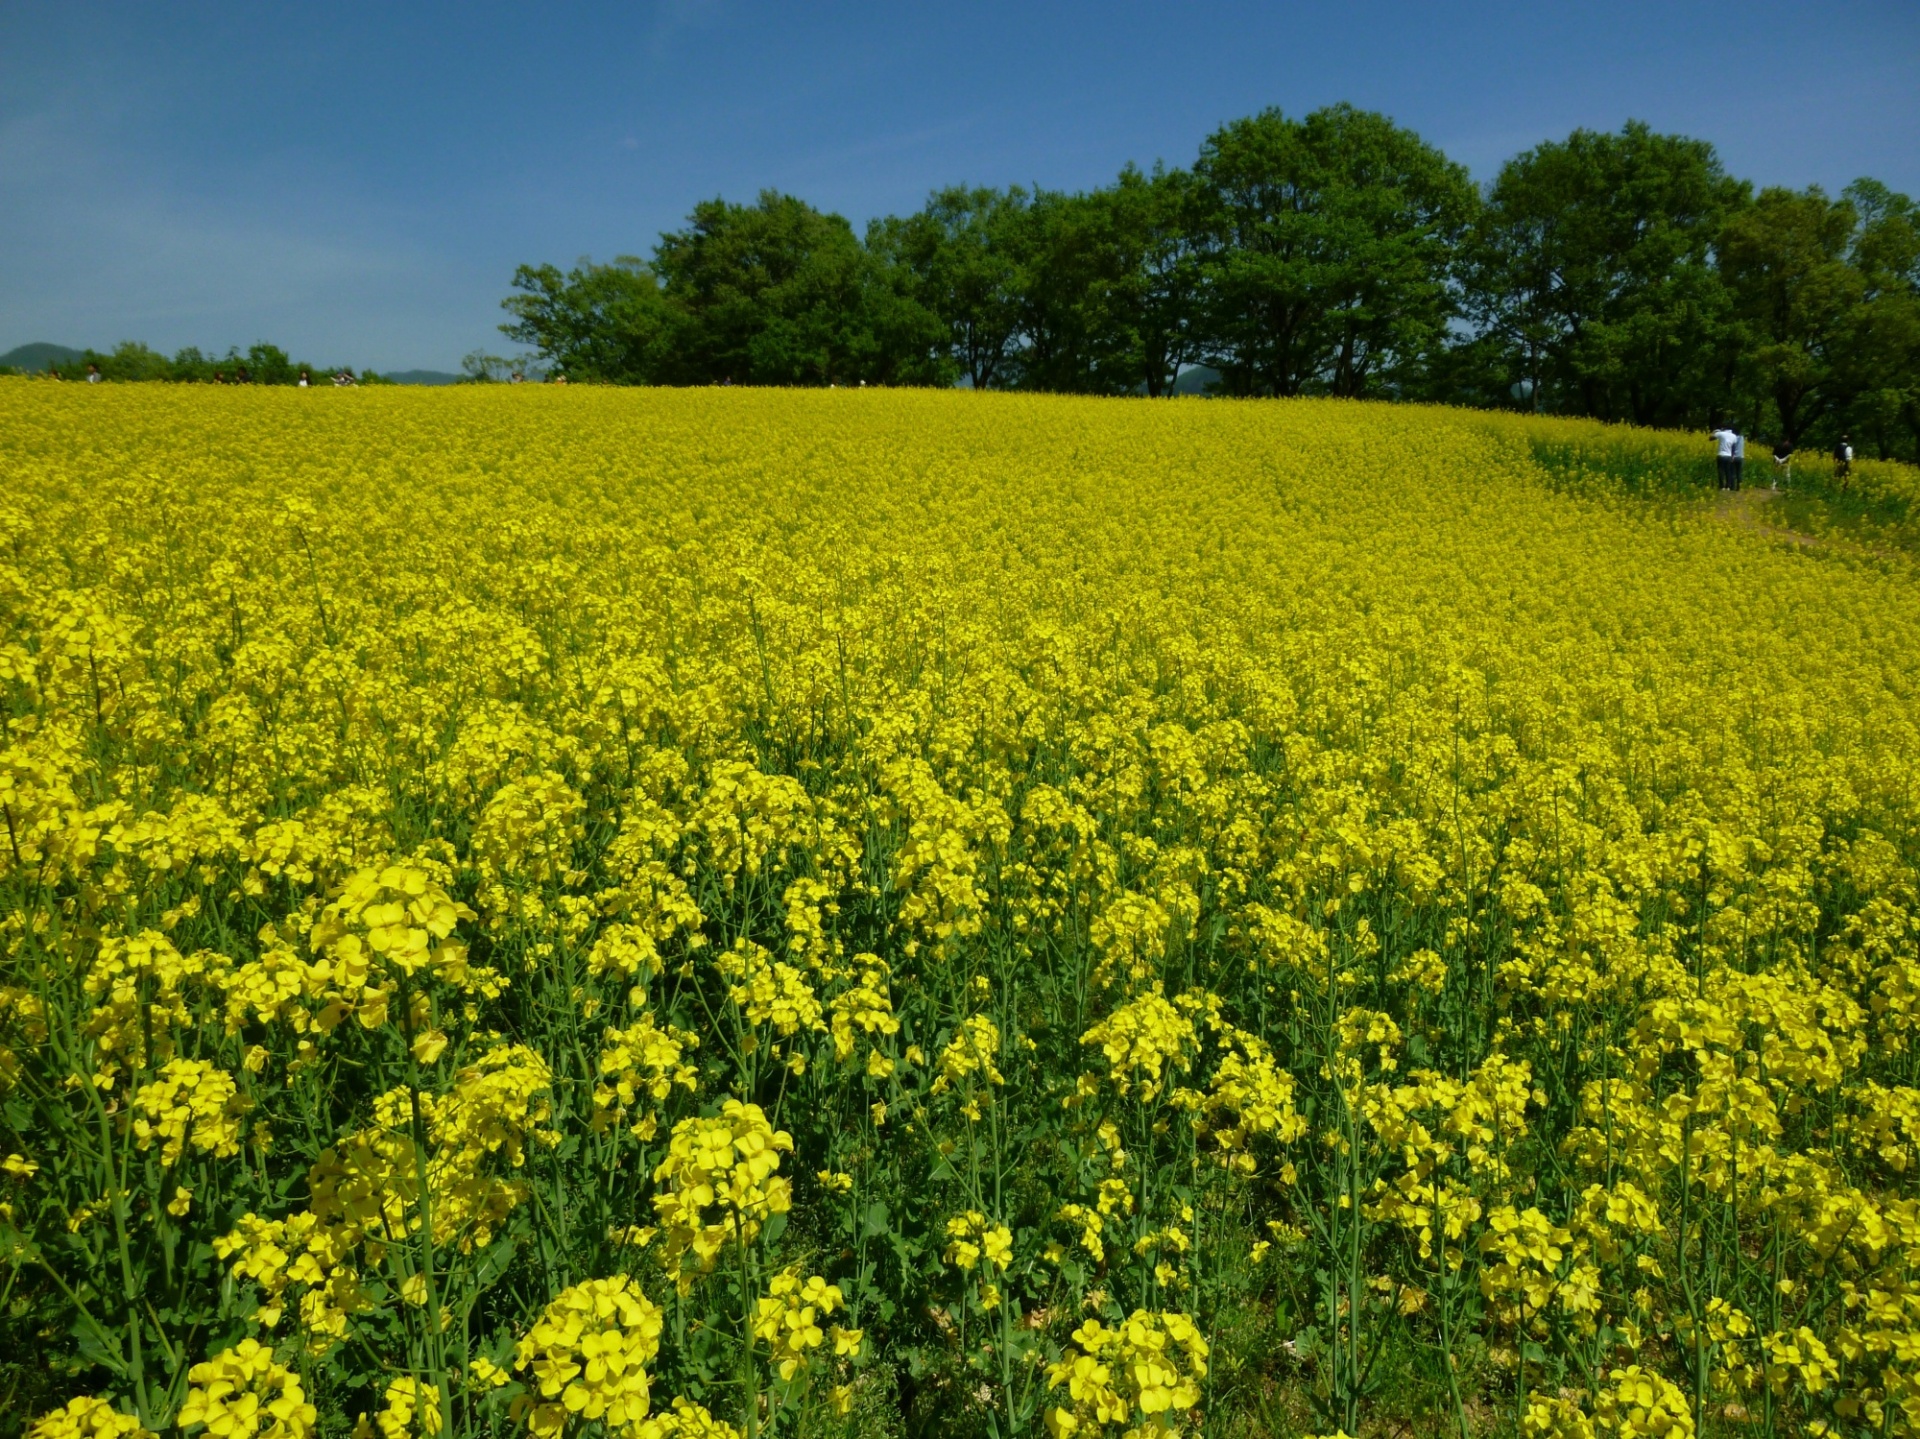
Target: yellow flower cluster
{"type": "Point", "coordinates": [1115, 1200]}
{"type": "Point", "coordinates": [586, 1357]}
{"type": "Point", "coordinates": [1524, 1250]}
{"type": "Point", "coordinates": [719, 1183]}
{"type": "Point", "coordinates": [1250, 1098]}
{"type": "Point", "coordinates": [88, 1418]}
{"type": "Point", "coordinates": [686, 1420]}
{"type": "Point", "coordinates": [644, 1058]}
{"type": "Point", "coordinates": [366, 1191]}
{"type": "Point", "coordinates": [1143, 1373]}
{"type": "Point", "coordinates": [370, 1183]}
{"type": "Point", "coordinates": [1636, 1404]}
{"type": "Point", "coordinates": [1142, 1038]}
{"type": "Point", "coordinates": [1434, 1122]}
{"type": "Point", "coordinates": [192, 1102]}
{"type": "Point", "coordinates": [412, 1411]}
{"type": "Point", "coordinates": [971, 1054]}
{"type": "Point", "coordinates": [971, 1237]}
{"type": "Point", "coordinates": [786, 1319]}
{"type": "Point", "coordinates": [771, 991]}
{"type": "Point", "coordinates": [243, 1393]}
{"type": "Point", "coordinates": [386, 927]}
{"type": "Point", "coordinates": [867, 1006]}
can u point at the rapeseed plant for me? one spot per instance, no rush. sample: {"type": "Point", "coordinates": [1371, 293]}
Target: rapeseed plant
{"type": "Point", "coordinates": [856, 911]}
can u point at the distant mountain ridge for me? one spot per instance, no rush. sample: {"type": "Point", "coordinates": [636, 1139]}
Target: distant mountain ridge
{"type": "Point", "coordinates": [1194, 380]}
{"type": "Point", "coordinates": [38, 355]}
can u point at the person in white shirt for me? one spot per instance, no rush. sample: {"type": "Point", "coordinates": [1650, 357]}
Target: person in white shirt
{"type": "Point", "coordinates": [1843, 459]}
{"type": "Point", "coordinates": [1724, 440]}
{"type": "Point", "coordinates": [93, 374]}
{"type": "Point", "coordinates": [1739, 458]}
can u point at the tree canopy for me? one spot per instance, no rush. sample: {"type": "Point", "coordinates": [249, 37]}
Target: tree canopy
{"type": "Point", "coordinates": [1623, 275]}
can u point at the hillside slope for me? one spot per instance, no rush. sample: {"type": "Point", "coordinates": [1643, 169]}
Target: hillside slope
{"type": "Point", "coordinates": [1400, 918]}
{"type": "Point", "coordinates": [37, 356]}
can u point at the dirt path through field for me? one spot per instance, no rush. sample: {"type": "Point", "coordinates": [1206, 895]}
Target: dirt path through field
{"type": "Point", "coordinates": [1747, 509]}
{"type": "Point", "coordinates": [1754, 511]}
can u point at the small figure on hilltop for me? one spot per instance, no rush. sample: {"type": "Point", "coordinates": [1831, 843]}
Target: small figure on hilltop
{"type": "Point", "coordinates": [305, 380]}
{"type": "Point", "coordinates": [1843, 460]}
{"type": "Point", "coordinates": [93, 373]}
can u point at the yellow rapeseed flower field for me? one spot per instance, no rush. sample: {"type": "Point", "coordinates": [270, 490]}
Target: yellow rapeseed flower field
{"type": "Point", "coordinates": [743, 913]}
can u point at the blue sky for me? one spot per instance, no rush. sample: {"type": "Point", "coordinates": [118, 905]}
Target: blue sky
{"type": "Point", "coordinates": [357, 182]}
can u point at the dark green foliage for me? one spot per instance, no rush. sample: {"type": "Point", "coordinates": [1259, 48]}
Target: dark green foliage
{"type": "Point", "coordinates": [1828, 294]}
{"type": "Point", "coordinates": [777, 293]}
{"type": "Point", "coordinates": [1620, 275]}
{"type": "Point", "coordinates": [1153, 300]}
{"type": "Point", "coordinates": [774, 293]}
{"type": "Point", "coordinates": [260, 364]}
{"type": "Point", "coordinates": [1328, 245]}
{"type": "Point", "coordinates": [595, 322]}
{"type": "Point", "coordinates": [1590, 273]}
{"type": "Point", "coordinates": [962, 258]}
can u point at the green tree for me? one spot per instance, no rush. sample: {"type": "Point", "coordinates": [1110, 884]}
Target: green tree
{"type": "Point", "coordinates": [1591, 274]}
{"type": "Point", "coordinates": [1108, 285]}
{"type": "Point", "coordinates": [594, 322]}
{"type": "Point", "coordinates": [1879, 355]}
{"type": "Point", "coordinates": [779, 293]}
{"type": "Point", "coordinates": [189, 366]}
{"type": "Point", "coordinates": [1153, 306]}
{"type": "Point", "coordinates": [1066, 268]}
{"type": "Point", "coordinates": [268, 365]}
{"type": "Point", "coordinates": [964, 253]}
{"type": "Point", "coordinates": [131, 360]}
{"type": "Point", "coordinates": [1329, 244]}
{"type": "Point", "coordinates": [1797, 295]}
{"type": "Point", "coordinates": [908, 341]}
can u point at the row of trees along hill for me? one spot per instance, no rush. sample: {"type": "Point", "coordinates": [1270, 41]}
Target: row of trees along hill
{"type": "Point", "coordinates": [260, 364]}
{"type": "Point", "coordinates": [1625, 276]}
